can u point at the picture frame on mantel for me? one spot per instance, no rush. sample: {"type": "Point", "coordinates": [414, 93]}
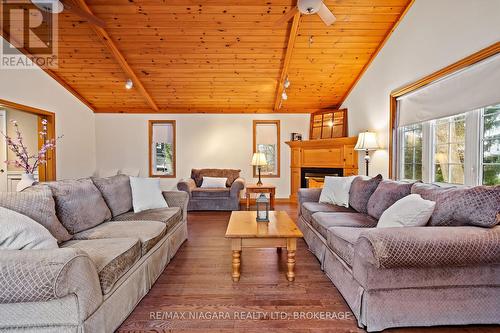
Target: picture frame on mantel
{"type": "Point", "coordinates": [328, 124]}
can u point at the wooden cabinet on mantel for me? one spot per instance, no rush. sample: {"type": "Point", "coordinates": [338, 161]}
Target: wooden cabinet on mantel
{"type": "Point", "coordinates": [325, 153]}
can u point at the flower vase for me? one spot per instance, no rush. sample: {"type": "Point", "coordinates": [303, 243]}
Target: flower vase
{"type": "Point", "coordinates": [27, 179]}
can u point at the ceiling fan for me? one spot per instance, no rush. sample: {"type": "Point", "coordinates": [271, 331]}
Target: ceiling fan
{"type": "Point", "coordinates": [58, 6]}
{"type": "Point", "coordinates": [309, 7]}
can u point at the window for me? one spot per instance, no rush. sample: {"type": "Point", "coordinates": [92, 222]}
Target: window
{"type": "Point", "coordinates": [266, 139]}
{"type": "Point", "coordinates": [411, 152]}
{"type": "Point", "coordinates": [462, 149]}
{"type": "Point", "coordinates": [490, 153]}
{"type": "Point", "coordinates": [162, 148]}
{"type": "Point", "coordinates": [449, 150]}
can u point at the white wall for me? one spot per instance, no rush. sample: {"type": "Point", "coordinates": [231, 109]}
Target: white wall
{"type": "Point", "coordinates": [74, 120]}
{"type": "Point", "coordinates": [28, 126]}
{"type": "Point", "coordinates": [203, 141]}
{"type": "Point", "coordinates": [432, 35]}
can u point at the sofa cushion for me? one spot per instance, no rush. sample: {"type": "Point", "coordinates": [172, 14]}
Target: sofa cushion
{"type": "Point", "coordinates": [37, 203]}
{"type": "Point", "coordinates": [210, 192]}
{"type": "Point", "coordinates": [113, 257]}
{"type": "Point", "coordinates": [309, 208]}
{"type": "Point", "coordinates": [385, 195]}
{"type": "Point", "coordinates": [341, 240]}
{"type": "Point", "coordinates": [361, 191]}
{"type": "Point", "coordinates": [148, 232]}
{"type": "Point", "coordinates": [116, 192]}
{"type": "Point", "coordinates": [79, 204]}
{"type": "Point", "coordinates": [231, 175]}
{"type": "Point", "coordinates": [459, 206]}
{"type": "Point", "coordinates": [323, 221]}
{"type": "Point", "coordinates": [171, 216]}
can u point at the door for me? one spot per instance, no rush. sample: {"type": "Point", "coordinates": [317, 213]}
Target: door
{"type": "Point", "coordinates": [3, 153]}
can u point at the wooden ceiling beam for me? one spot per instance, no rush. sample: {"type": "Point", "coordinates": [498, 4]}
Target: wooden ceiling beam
{"type": "Point", "coordinates": [110, 44]}
{"type": "Point", "coordinates": [182, 110]}
{"type": "Point", "coordinates": [51, 73]}
{"type": "Point", "coordinates": [286, 61]}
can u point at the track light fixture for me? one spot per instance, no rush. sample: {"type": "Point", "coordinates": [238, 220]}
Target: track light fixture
{"type": "Point", "coordinates": [286, 84]}
{"type": "Point", "coordinates": [129, 84]}
{"type": "Point", "coordinates": [284, 96]}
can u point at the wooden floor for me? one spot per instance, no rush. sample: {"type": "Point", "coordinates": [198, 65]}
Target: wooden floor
{"type": "Point", "coordinates": [197, 283]}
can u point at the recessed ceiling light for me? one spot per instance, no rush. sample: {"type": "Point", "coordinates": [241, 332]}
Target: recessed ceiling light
{"type": "Point", "coordinates": [129, 84]}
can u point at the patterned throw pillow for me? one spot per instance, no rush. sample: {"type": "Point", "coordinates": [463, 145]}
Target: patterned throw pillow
{"type": "Point", "coordinates": [37, 203]}
{"type": "Point", "coordinates": [459, 206]}
{"type": "Point", "coordinates": [361, 191]}
{"type": "Point", "coordinates": [386, 194]}
{"type": "Point", "coordinates": [116, 192]}
{"type": "Point", "coordinates": [79, 204]}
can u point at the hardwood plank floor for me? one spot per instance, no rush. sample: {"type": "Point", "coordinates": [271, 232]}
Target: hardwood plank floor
{"type": "Point", "coordinates": [197, 282]}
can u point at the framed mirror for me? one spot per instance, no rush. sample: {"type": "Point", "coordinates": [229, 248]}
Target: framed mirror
{"type": "Point", "coordinates": [328, 124]}
{"type": "Point", "coordinates": [162, 148]}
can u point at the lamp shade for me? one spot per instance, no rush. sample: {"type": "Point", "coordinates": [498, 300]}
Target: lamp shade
{"type": "Point", "coordinates": [259, 159]}
{"type": "Point", "coordinates": [367, 141]}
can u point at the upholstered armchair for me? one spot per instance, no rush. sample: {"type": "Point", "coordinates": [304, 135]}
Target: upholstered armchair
{"type": "Point", "coordinates": [227, 198]}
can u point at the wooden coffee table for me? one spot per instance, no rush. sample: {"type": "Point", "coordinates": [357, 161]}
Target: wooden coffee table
{"type": "Point", "coordinates": [279, 232]}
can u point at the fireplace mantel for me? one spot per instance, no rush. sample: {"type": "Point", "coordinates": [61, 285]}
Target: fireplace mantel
{"type": "Point", "coordinates": [324, 153]}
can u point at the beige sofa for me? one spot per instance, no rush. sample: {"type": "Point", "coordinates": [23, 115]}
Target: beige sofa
{"type": "Point", "coordinates": [445, 273]}
{"type": "Point", "coordinates": [93, 281]}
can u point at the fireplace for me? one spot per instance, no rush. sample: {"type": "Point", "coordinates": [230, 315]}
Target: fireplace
{"type": "Point", "coordinates": [315, 177]}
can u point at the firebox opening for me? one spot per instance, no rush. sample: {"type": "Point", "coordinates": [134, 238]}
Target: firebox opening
{"type": "Point", "coordinates": [315, 177]}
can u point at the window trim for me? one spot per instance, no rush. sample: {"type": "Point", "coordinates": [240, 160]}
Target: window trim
{"type": "Point", "coordinates": [278, 141]}
{"type": "Point", "coordinates": [393, 105]}
{"type": "Point", "coordinates": [151, 123]}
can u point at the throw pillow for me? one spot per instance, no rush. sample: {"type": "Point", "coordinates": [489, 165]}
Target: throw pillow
{"type": "Point", "coordinates": [19, 232]}
{"type": "Point", "coordinates": [214, 182]}
{"type": "Point", "coordinates": [361, 191]}
{"type": "Point", "coordinates": [37, 203]}
{"type": "Point", "coordinates": [336, 190]}
{"type": "Point", "coordinates": [146, 194]}
{"type": "Point", "coordinates": [79, 204]}
{"type": "Point", "coordinates": [460, 206]}
{"type": "Point", "coordinates": [386, 194]}
{"type": "Point", "coordinates": [410, 211]}
{"type": "Point", "coordinates": [116, 192]}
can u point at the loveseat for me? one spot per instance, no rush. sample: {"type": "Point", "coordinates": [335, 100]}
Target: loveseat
{"type": "Point", "coordinates": [200, 198]}
{"type": "Point", "coordinates": [108, 257]}
{"type": "Point", "coordinates": [444, 273]}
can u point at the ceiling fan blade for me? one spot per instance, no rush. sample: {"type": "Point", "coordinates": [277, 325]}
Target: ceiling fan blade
{"type": "Point", "coordinates": [90, 18]}
{"type": "Point", "coordinates": [287, 16]}
{"type": "Point", "coordinates": [326, 15]}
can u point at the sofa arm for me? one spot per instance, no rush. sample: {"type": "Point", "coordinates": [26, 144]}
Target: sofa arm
{"type": "Point", "coordinates": [308, 195]}
{"type": "Point", "coordinates": [43, 275]}
{"type": "Point", "coordinates": [237, 186]}
{"type": "Point", "coordinates": [186, 185]}
{"type": "Point", "coordinates": [177, 199]}
{"type": "Point", "coordinates": [420, 247]}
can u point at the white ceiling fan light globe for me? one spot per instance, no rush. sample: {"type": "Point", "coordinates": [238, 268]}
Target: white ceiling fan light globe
{"type": "Point", "coordinates": [308, 7]}
{"type": "Point", "coordinates": [50, 6]}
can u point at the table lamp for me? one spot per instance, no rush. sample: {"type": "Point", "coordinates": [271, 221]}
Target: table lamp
{"type": "Point", "coordinates": [259, 160]}
{"type": "Point", "coordinates": [367, 141]}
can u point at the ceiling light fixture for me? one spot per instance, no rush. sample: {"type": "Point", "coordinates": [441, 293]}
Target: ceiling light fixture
{"type": "Point", "coordinates": [129, 84]}
{"type": "Point", "coordinates": [286, 84]}
{"type": "Point", "coordinates": [284, 96]}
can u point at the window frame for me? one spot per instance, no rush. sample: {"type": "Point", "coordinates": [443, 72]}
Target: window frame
{"type": "Point", "coordinates": [278, 143]}
{"type": "Point", "coordinates": [473, 158]}
{"type": "Point", "coordinates": [151, 124]}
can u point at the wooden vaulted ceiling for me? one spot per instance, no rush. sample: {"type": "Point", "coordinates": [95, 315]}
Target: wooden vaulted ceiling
{"type": "Point", "coordinates": [218, 55]}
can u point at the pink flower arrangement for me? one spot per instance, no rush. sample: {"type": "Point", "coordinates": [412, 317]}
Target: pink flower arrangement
{"type": "Point", "coordinates": [29, 163]}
